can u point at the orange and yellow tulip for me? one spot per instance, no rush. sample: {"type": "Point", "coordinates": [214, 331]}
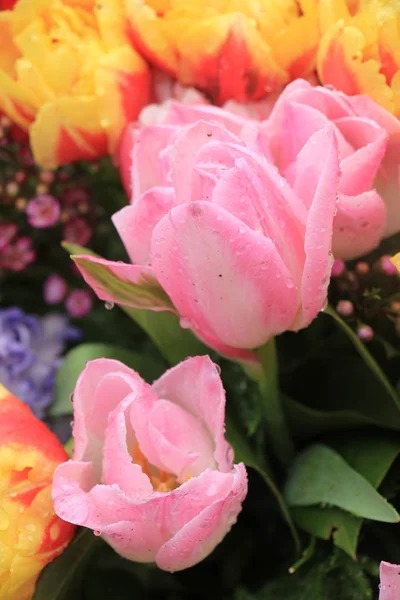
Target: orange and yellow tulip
{"type": "Point", "coordinates": [229, 48]}
{"type": "Point", "coordinates": [69, 76]}
{"type": "Point", "coordinates": [31, 534]}
{"type": "Point", "coordinates": [359, 52]}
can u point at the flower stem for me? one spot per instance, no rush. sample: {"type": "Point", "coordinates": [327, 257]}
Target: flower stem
{"type": "Point", "coordinates": [278, 431]}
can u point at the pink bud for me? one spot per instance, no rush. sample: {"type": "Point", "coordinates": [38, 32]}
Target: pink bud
{"type": "Point", "coordinates": [345, 308]}
{"type": "Point", "coordinates": [387, 266]}
{"type": "Point", "coordinates": [338, 267]}
{"type": "Point", "coordinates": [77, 231]}
{"type": "Point", "coordinates": [362, 268]}
{"type": "Point", "coordinates": [78, 303]}
{"type": "Point", "coordinates": [365, 333]}
{"type": "Point", "coordinates": [43, 211]}
{"type": "Point", "coordinates": [55, 288]}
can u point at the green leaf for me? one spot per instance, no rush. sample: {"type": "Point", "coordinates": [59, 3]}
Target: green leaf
{"type": "Point", "coordinates": [372, 457]}
{"type": "Point", "coordinates": [148, 367]}
{"type": "Point", "coordinates": [321, 476]}
{"type": "Point", "coordinates": [102, 277]}
{"type": "Point", "coordinates": [332, 578]}
{"type": "Point", "coordinates": [61, 574]}
{"type": "Point", "coordinates": [329, 523]}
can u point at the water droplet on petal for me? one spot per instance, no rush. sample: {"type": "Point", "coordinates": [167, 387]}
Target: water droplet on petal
{"type": "Point", "coordinates": [96, 532]}
{"type": "Point", "coordinates": [109, 305]}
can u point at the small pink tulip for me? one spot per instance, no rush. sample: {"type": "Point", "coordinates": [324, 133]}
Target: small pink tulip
{"type": "Point", "coordinates": [151, 471]}
{"type": "Point", "coordinates": [78, 303]}
{"type": "Point", "coordinates": [390, 581]}
{"type": "Point", "coordinates": [366, 137]}
{"type": "Point", "coordinates": [43, 211]}
{"type": "Point", "coordinates": [55, 288]}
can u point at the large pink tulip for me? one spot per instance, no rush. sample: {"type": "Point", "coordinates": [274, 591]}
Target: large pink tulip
{"type": "Point", "coordinates": [240, 255]}
{"type": "Point", "coordinates": [151, 471]}
{"type": "Point", "coordinates": [369, 143]}
{"type": "Point", "coordinates": [390, 581]}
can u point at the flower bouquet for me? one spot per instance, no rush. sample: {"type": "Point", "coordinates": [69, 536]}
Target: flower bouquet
{"type": "Point", "coordinates": [199, 299]}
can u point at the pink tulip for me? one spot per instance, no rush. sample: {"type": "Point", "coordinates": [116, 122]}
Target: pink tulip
{"type": "Point", "coordinates": [390, 581]}
{"type": "Point", "coordinates": [369, 143]}
{"type": "Point", "coordinates": [151, 470]}
{"type": "Point", "coordinates": [241, 257]}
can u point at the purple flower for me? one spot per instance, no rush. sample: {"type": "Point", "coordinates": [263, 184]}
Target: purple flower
{"type": "Point", "coordinates": [30, 353]}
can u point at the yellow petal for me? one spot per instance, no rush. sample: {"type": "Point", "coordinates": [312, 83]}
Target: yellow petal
{"type": "Point", "coordinates": [396, 261]}
{"type": "Point", "coordinates": [340, 63]}
{"type": "Point", "coordinates": [68, 129]}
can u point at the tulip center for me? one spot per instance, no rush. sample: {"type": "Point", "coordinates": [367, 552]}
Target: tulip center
{"type": "Point", "coordinates": [162, 481]}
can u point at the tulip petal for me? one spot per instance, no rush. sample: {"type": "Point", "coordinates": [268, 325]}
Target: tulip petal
{"type": "Point", "coordinates": [68, 129]}
{"type": "Point", "coordinates": [318, 171]}
{"type": "Point", "coordinates": [94, 400]}
{"type": "Point", "coordinates": [199, 536]}
{"type": "Point", "coordinates": [340, 62]}
{"type": "Point", "coordinates": [125, 284]}
{"type": "Point", "coordinates": [390, 581]}
{"type": "Point", "coordinates": [218, 272]}
{"type": "Point", "coordinates": [369, 141]}
{"type": "Point", "coordinates": [359, 225]}
{"type": "Point", "coordinates": [118, 467]}
{"type": "Point", "coordinates": [186, 181]}
{"type": "Point", "coordinates": [135, 223]}
{"type": "Point", "coordinates": [196, 386]}
{"type": "Point", "coordinates": [147, 172]}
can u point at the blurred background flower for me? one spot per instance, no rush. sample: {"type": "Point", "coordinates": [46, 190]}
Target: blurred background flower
{"type": "Point", "coordinates": [30, 353]}
{"type": "Point", "coordinates": [69, 76]}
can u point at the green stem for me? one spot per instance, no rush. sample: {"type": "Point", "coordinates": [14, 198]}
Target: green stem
{"type": "Point", "coordinates": [278, 431]}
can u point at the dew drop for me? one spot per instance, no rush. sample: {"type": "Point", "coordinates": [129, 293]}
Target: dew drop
{"type": "Point", "coordinates": [97, 532]}
{"type": "Point", "coordinates": [185, 323]}
{"type": "Point", "coordinates": [109, 305]}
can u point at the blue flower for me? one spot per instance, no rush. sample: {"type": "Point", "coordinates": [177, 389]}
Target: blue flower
{"type": "Point", "coordinates": [30, 354]}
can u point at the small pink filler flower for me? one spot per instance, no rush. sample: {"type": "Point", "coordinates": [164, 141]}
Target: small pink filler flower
{"type": "Point", "coordinates": [151, 471]}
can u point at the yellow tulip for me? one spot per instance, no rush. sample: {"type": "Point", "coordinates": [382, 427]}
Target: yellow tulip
{"type": "Point", "coordinates": [69, 75]}
{"type": "Point", "coordinates": [229, 48]}
{"type": "Point", "coordinates": [31, 534]}
{"type": "Point", "coordinates": [359, 52]}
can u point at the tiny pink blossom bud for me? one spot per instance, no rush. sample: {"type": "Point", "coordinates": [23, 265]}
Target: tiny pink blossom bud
{"type": "Point", "coordinates": [12, 189]}
{"type": "Point", "coordinates": [20, 176]}
{"type": "Point", "coordinates": [345, 308]}
{"type": "Point", "coordinates": [77, 231]}
{"type": "Point", "coordinates": [20, 204]}
{"type": "Point", "coordinates": [7, 232]}
{"type": "Point", "coordinates": [387, 266]}
{"type": "Point", "coordinates": [362, 268]}
{"type": "Point", "coordinates": [78, 303]}
{"type": "Point", "coordinates": [395, 306]}
{"type": "Point", "coordinates": [42, 188]}
{"type": "Point", "coordinates": [55, 288]}
{"type": "Point", "coordinates": [17, 255]}
{"type": "Point", "coordinates": [43, 211]}
{"type": "Point", "coordinates": [338, 267]}
{"type": "Point", "coordinates": [46, 176]}
{"type": "Point", "coordinates": [365, 333]}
